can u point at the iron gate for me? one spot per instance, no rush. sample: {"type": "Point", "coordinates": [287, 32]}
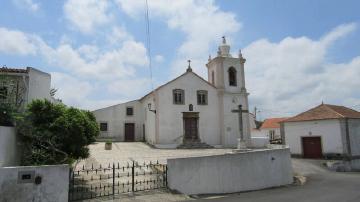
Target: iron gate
{"type": "Point", "coordinates": [88, 183]}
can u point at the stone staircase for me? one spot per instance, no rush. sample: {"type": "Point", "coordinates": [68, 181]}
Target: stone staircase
{"type": "Point", "coordinates": [194, 145]}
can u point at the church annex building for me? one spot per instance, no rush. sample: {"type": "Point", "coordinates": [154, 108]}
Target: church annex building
{"type": "Point", "coordinates": [185, 110]}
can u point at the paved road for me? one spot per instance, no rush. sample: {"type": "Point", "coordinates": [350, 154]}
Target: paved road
{"type": "Point", "coordinates": [321, 186]}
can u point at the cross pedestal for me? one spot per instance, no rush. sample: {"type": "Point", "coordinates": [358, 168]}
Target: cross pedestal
{"type": "Point", "coordinates": [241, 145]}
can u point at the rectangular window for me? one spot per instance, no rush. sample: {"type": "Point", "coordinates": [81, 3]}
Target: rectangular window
{"type": "Point", "coordinates": [202, 97]}
{"type": "Point", "coordinates": [3, 93]}
{"type": "Point", "coordinates": [129, 111]}
{"type": "Point", "coordinates": [103, 127]}
{"type": "Point", "coordinates": [178, 96]}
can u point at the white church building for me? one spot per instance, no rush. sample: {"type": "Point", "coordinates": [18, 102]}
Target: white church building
{"type": "Point", "coordinates": [187, 109]}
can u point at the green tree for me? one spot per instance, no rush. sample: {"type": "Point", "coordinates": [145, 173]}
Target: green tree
{"type": "Point", "coordinates": [55, 134]}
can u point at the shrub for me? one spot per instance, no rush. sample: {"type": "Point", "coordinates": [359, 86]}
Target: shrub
{"type": "Point", "coordinates": [55, 134]}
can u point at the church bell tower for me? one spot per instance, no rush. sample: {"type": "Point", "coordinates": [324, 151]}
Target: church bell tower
{"type": "Point", "coordinates": [227, 74]}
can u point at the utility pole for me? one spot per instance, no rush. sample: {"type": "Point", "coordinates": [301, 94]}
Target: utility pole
{"type": "Point", "coordinates": [241, 142]}
{"type": "Point", "coordinates": [255, 112]}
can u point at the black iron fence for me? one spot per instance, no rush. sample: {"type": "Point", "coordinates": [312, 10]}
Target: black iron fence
{"type": "Point", "coordinates": [113, 179]}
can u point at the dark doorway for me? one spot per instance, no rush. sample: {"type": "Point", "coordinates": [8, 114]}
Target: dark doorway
{"type": "Point", "coordinates": [129, 132]}
{"type": "Point", "coordinates": [312, 147]}
{"type": "Point", "coordinates": [191, 128]}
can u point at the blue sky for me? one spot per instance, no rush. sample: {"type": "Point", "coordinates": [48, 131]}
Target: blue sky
{"type": "Point", "coordinates": [298, 53]}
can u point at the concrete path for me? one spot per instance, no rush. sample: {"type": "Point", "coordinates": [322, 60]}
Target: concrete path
{"type": "Point", "coordinates": [321, 186]}
{"type": "Point", "coordinates": [124, 152]}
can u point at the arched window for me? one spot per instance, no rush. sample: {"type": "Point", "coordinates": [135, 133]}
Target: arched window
{"type": "Point", "coordinates": [232, 76]}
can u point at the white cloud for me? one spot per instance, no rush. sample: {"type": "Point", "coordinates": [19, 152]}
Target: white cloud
{"type": "Point", "coordinates": [118, 35]}
{"type": "Point", "coordinates": [87, 61]}
{"type": "Point", "coordinates": [16, 42]}
{"type": "Point", "coordinates": [202, 22]}
{"type": "Point", "coordinates": [27, 4]}
{"type": "Point", "coordinates": [294, 74]}
{"type": "Point", "coordinates": [76, 92]}
{"type": "Point", "coordinates": [114, 69]}
{"type": "Point", "coordinates": [131, 88]}
{"type": "Point", "coordinates": [159, 58]}
{"type": "Point", "coordinates": [70, 89]}
{"type": "Point", "coordinates": [86, 15]}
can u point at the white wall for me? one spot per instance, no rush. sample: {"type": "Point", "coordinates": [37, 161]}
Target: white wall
{"type": "Point", "coordinates": [328, 130]}
{"type": "Point", "coordinates": [9, 151]}
{"type": "Point", "coordinates": [258, 133]}
{"type": "Point", "coordinates": [150, 119]}
{"type": "Point", "coordinates": [39, 85]}
{"type": "Point", "coordinates": [171, 117]}
{"type": "Point", "coordinates": [230, 173]}
{"type": "Point", "coordinates": [54, 185]}
{"type": "Point", "coordinates": [116, 118]}
{"type": "Point", "coordinates": [354, 134]}
{"type": "Point", "coordinates": [231, 120]}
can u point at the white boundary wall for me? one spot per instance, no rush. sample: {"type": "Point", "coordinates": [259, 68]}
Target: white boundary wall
{"type": "Point", "coordinates": [54, 184]}
{"type": "Point", "coordinates": [8, 147]}
{"type": "Point", "coordinates": [229, 173]}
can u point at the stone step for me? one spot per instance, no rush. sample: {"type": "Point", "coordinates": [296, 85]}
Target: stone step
{"type": "Point", "coordinates": [195, 145]}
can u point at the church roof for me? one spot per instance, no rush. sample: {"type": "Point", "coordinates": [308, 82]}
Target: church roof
{"type": "Point", "coordinates": [187, 72]}
{"type": "Point", "coordinates": [325, 111]}
{"type": "Point", "coordinates": [272, 122]}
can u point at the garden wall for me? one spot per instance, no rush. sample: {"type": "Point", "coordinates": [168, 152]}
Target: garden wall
{"type": "Point", "coordinates": [9, 152]}
{"type": "Point", "coordinates": [34, 183]}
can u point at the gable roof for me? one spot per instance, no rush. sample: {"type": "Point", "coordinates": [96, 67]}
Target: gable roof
{"type": "Point", "coordinates": [272, 122]}
{"type": "Point", "coordinates": [325, 111]}
{"type": "Point", "coordinates": [187, 72]}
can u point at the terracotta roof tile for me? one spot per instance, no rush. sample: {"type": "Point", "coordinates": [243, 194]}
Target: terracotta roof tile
{"type": "Point", "coordinates": [12, 70]}
{"type": "Point", "coordinates": [325, 111]}
{"type": "Point", "coordinates": [272, 122]}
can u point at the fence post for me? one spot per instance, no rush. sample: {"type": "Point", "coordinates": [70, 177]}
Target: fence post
{"type": "Point", "coordinates": [133, 177]}
{"type": "Point", "coordinates": [113, 185]}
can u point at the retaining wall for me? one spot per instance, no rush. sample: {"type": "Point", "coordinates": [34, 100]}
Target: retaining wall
{"type": "Point", "coordinates": [229, 173]}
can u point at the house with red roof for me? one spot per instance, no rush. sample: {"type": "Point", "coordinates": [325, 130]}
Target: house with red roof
{"type": "Point", "coordinates": [324, 131]}
{"type": "Point", "coordinates": [271, 128]}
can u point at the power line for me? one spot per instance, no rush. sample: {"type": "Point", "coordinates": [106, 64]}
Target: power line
{"type": "Point", "coordinates": [148, 41]}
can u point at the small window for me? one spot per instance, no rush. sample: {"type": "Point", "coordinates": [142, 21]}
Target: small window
{"type": "Point", "coordinates": [232, 76]}
{"type": "Point", "coordinates": [3, 93]}
{"type": "Point", "coordinates": [178, 96]}
{"type": "Point", "coordinates": [103, 127]}
{"type": "Point", "coordinates": [202, 98]}
{"type": "Point", "coordinates": [129, 111]}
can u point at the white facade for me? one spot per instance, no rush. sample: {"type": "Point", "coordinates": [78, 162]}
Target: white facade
{"type": "Point", "coordinates": [216, 123]}
{"type": "Point", "coordinates": [115, 117]}
{"type": "Point", "coordinates": [328, 130]}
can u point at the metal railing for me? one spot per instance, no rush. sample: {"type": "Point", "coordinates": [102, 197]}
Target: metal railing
{"type": "Point", "coordinates": [88, 183]}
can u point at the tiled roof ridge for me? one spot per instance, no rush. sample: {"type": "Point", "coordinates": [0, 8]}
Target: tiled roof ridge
{"type": "Point", "coordinates": [329, 107]}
